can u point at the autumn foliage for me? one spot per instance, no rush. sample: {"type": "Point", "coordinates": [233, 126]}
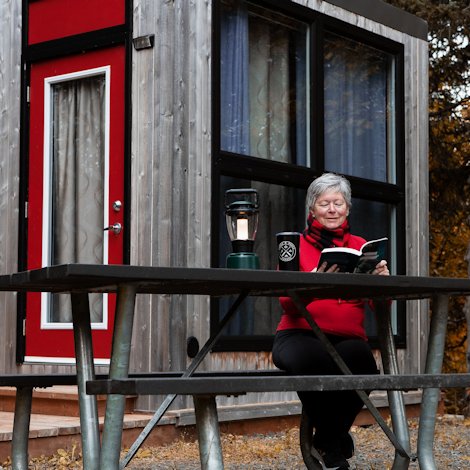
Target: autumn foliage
{"type": "Point", "coordinates": [449, 160]}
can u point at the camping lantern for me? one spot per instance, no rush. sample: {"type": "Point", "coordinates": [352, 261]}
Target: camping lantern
{"type": "Point", "coordinates": [241, 216]}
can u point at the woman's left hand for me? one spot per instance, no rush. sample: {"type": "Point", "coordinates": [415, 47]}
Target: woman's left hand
{"type": "Point", "coordinates": [381, 269]}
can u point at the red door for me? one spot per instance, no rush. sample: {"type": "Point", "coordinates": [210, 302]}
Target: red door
{"type": "Point", "coordinates": [76, 189]}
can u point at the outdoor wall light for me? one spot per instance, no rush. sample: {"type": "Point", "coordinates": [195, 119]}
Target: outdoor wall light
{"type": "Point", "coordinates": [241, 216]}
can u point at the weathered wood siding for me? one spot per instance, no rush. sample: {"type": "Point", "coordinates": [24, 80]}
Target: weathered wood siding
{"type": "Point", "coordinates": [10, 85]}
{"type": "Point", "coordinates": [171, 161]}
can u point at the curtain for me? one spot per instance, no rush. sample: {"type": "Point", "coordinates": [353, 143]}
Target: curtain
{"type": "Point", "coordinates": [269, 91]}
{"type": "Point", "coordinates": [356, 79]}
{"type": "Point", "coordinates": [234, 100]}
{"type": "Point", "coordinates": [77, 181]}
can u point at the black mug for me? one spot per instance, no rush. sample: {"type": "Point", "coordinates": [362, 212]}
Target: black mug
{"type": "Point", "coordinates": [288, 250]}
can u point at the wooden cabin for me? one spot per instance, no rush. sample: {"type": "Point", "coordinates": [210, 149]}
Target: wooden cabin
{"type": "Point", "coordinates": [123, 123]}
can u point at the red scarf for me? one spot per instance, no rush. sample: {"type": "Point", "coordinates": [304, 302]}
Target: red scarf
{"type": "Point", "coordinates": [321, 237]}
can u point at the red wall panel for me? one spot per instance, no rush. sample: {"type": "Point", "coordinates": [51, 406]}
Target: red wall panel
{"type": "Point", "coordinates": [54, 19]}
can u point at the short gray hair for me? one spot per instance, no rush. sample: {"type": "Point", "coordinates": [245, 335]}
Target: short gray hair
{"type": "Point", "coordinates": [328, 182]}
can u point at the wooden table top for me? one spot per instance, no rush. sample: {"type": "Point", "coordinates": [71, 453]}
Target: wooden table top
{"type": "Point", "coordinates": [221, 282]}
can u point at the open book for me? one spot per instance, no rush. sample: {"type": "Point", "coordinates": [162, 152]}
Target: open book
{"type": "Point", "coordinates": [350, 260]}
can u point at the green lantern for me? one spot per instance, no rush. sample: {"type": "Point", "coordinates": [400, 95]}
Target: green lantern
{"type": "Point", "coordinates": [241, 216]}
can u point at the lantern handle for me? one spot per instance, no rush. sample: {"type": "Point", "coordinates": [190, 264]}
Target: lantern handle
{"type": "Point", "coordinates": [250, 192]}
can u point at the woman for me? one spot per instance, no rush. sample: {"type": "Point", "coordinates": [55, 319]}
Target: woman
{"type": "Point", "coordinates": [298, 351]}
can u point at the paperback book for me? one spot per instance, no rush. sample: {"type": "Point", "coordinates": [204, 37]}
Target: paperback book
{"type": "Point", "coordinates": [350, 260]}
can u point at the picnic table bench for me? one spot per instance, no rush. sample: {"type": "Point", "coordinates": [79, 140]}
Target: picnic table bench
{"type": "Point", "coordinates": [24, 384]}
{"type": "Point", "coordinates": [205, 387]}
{"type": "Point", "coordinates": [128, 281]}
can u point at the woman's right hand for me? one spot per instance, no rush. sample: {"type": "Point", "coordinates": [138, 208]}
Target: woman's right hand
{"type": "Point", "coordinates": [322, 268]}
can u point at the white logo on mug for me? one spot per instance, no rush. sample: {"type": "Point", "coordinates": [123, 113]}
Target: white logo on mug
{"type": "Point", "coordinates": [287, 251]}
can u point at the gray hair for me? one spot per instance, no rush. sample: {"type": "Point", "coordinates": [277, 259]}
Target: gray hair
{"type": "Point", "coordinates": [325, 183]}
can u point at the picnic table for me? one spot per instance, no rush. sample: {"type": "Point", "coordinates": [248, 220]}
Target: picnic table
{"type": "Point", "coordinates": [127, 281]}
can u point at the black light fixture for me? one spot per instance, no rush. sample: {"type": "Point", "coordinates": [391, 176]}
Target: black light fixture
{"type": "Point", "coordinates": [241, 216]}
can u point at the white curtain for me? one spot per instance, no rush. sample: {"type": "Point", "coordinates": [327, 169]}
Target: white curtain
{"type": "Point", "coordinates": [77, 181]}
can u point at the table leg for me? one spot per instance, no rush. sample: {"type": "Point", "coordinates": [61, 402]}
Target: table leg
{"type": "Point", "coordinates": [85, 371]}
{"type": "Point", "coordinates": [207, 424]}
{"type": "Point", "coordinates": [189, 371]}
{"type": "Point", "coordinates": [118, 369]}
{"type": "Point", "coordinates": [19, 441]}
{"type": "Point", "coordinates": [431, 396]}
{"type": "Point", "coordinates": [395, 397]}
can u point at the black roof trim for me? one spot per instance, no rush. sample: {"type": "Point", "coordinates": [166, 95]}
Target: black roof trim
{"type": "Point", "coordinates": [386, 14]}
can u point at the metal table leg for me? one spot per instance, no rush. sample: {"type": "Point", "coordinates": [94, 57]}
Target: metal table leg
{"type": "Point", "coordinates": [119, 368]}
{"type": "Point", "coordinates": [431, 396]}
{"type": "Point", "coordinates": [19, 442]}
{"type": "Point", "coordinates": [85, 371]}
{"type": "Point", "coordinates": [207, 424]}
{"type": "Point", "coordinates": [189, 371]}
{"type": "Point", "coordinates": [395, 397]}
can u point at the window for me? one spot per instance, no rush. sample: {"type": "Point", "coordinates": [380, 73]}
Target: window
{"type": "Point", "coordinates": [300, 94]}
{"type": "Point", "coordinates": [358, 109]}
{"type": "Point", "coordinates": [263, 84]}
{"type": "Point", "coordinates": [76, 162]}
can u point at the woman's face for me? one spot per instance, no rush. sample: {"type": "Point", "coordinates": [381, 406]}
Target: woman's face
{"type": "Point", "coordinates": [330, 209]}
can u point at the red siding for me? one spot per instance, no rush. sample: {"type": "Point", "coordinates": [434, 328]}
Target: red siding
{"type": "Point", "coordinates": [54, 19]}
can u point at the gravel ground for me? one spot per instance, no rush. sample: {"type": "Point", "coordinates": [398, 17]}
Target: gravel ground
{"type": "Point", "coordinates": [281, 451]}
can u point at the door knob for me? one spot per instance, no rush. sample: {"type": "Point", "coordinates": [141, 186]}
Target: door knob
{"type": "Point", "coordinates": [116, 228]}
{"type": "Point", "coordinates": [117, 205]}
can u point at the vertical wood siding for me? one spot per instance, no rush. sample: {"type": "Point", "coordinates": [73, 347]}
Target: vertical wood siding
{"type": "Point", "coordinates": [417, 187]}
{"type": "Point", "coordinates": [10, 86]}
{"type": "Point", "coordinates": [171, 163]}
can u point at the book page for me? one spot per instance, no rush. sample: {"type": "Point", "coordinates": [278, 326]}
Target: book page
{"type": "Point", "coordinates": [372, 253]}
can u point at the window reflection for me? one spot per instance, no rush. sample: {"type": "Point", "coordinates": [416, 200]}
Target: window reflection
{"type": "Point", "coordinates": [281, 209]}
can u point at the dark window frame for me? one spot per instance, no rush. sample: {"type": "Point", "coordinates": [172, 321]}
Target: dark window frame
{"type": "Point", "coordinates": [253, 168]}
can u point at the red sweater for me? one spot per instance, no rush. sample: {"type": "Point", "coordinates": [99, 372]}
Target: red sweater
{"type": "Point", "coordinates": [333, 316]}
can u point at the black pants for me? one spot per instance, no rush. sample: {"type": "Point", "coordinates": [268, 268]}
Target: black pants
{"type": "Point", "coordinates": [300, 352]}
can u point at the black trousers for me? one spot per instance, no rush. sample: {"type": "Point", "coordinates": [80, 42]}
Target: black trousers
{"type": "Point", "coordinates": [300, 352]}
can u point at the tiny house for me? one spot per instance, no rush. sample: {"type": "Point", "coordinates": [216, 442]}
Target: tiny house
{"type": "Point", "coordinates": [123, 123]}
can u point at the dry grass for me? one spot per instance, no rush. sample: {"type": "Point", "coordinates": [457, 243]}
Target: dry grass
{"type": "Point", "coordinates": [281, 451]}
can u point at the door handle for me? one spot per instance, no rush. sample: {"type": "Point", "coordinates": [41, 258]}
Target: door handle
{"type": "Point", "coordinates": [116, 228]}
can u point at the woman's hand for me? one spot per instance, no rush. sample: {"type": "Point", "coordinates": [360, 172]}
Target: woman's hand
{"type": "Point", "coordinates": [321, 269]}
{"type": "Point", "coordinates": [381, 269]}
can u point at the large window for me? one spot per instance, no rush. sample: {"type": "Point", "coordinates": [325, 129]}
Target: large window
{"type": "Point", "coordinates": [299, 94]}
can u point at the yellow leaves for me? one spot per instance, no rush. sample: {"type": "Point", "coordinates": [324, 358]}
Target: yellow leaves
{"type": "Point", "coordinates": [62, 460]}
{"type": "Point", "coordinates": [144, 453]}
